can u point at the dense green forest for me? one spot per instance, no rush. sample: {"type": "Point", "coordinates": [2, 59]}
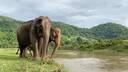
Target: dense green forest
{"type": "Point", "coordinates": [108, 35]}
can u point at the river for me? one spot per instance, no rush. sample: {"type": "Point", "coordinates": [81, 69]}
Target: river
{"type": "Point", "coordinates": [77, 61]}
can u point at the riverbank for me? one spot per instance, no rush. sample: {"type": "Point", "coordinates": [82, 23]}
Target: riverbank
{"type": "Point", "coordinates": [10, 62]}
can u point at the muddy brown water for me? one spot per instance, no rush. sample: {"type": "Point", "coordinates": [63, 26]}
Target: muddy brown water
{"type": "Point", "coordinates": [77, 61]}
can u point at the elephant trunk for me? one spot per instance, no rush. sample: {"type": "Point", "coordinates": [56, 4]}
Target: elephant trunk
{"type": "Point", "coordinates": [45, 43]}
{"type": "Point", "coordinates": [57, 45]}
{"type": "Point", "coordinates": [46, 25]}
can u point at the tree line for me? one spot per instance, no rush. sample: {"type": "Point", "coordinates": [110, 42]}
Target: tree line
{"type": "Point", "coordinates": [108, 35]}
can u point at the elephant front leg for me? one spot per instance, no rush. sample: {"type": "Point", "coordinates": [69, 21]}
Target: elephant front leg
{"type": "Point", "coordinates": [24, 53]}
{"type": "Point", "coordinates": [57, 45]}
{"type": "Point", "coordinates": [44, 47]}
{"type": "Point", "coordinates": [35, 51]}
{"type": "Point", "coordinates": [40, 44]}
{"type": "Point", "coordinates": [54, 50]}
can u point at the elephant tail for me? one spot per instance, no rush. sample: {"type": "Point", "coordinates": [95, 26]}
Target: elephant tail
{"type": "Point", "coordinates": [17, 51]}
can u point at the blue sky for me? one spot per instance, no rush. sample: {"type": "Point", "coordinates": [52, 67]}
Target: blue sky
{"type": "Point", "coordinates": [82, 13]}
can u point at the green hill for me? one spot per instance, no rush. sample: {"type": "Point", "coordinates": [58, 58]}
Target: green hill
{"type": "Point", "coordinates": [68, 29]}
{"type": "Point", "coordinates": [8, 28]}
{"type": "Point", "coordinates": [109, 31]}
{"type": "Point", "coordinates": [102, 31]}
{"type": "Point", "coordinates": [105, 31]}
{"type": "Point", "coordinates": [7, 31]}
{"type": "Point", "coordinates": [7, 23]}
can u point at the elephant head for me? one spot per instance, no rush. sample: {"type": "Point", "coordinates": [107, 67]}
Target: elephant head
{"type": "Point", "coordinates": [56, 38]}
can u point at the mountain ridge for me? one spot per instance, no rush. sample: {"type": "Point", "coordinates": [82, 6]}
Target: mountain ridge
{"type": "Point", "coordinates": [105, 31]}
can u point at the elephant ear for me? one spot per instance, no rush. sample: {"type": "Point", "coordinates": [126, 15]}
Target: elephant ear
{"type": "Point", "coordinates": [52, 34]}
{"type": "Point", "coordinates": [38, 21]}
{"type": "Point", "coordinates": [38, 27]}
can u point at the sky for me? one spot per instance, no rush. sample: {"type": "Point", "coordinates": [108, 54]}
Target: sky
{"type": "Point", "coordinates": [81, 13]}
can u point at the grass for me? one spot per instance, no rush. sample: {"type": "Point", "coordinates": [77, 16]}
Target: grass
{"type": "Point", "coordinates": [10, 62]}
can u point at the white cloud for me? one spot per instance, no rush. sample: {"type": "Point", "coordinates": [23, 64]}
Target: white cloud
{"type": "Point", "coordinates": [82, 13]}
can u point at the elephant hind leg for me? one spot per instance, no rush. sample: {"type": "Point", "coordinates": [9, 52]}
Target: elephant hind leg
{"type": "Point", "coordinates": [21, 52]}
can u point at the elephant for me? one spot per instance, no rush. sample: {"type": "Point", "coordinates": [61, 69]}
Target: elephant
{"type": "Point", "coordinates": [35, 33]}
{"type": "Point", "coordinates": [55, 36]}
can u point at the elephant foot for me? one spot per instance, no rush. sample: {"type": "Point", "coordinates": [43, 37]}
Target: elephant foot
{"type": "Point", "coordinates": [46, 57]}
{"type": "Point", "coordinates": [36, 58]}
{"type": "Point", "coordinates": [26, 56]}
{"type": "Point", "coordinates": [20, 56]}
{"type": "Point", "coordinates": [43, 58]}
{"type": "Point", "coordinates": [51, 57]}
{"type": "Point", "coordinates": [23, 57]}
